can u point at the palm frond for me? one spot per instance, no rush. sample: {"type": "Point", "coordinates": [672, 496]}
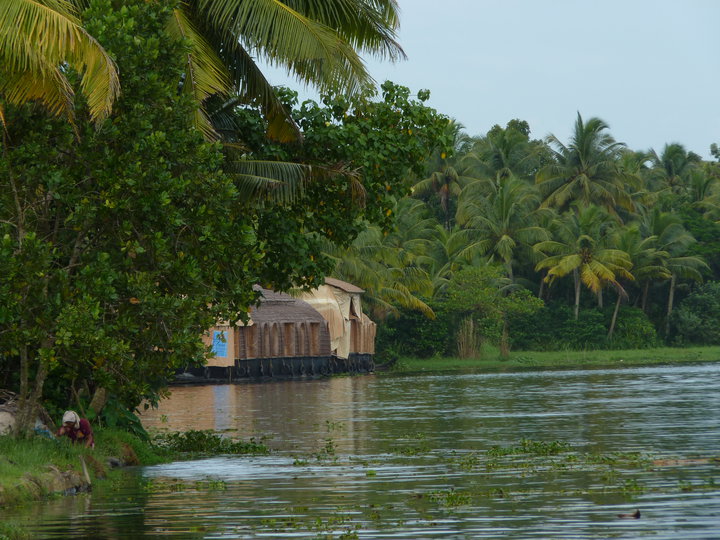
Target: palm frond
{"type": "Point", "coordinates": [36, 38]}
{"type": "Point", "coordinates": [205, 73]}
{"type": "Point", "coordinates": [367, 25]}
{"type": "Point", "coordinates": [312, 51]}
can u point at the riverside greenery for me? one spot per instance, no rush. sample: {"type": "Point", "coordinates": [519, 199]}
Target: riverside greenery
{"type": "Point", "coordinates": [612, 240]}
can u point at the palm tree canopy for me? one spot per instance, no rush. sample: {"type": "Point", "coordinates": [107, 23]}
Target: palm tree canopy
{"type": "Point", "coordinates": [506, 151]}
{"type": "Point", "coordinates": [585, 170]}
{"type": "Point", "coordinates": [38, 38]}
{"type": "Point", "coordinates": [317, 41]}
{"type": "Point", "coordinates": [671, 167]}
{"type": "Point", "coordinates": [579, 247]}
{"type": "Point", "coordinates": [504, 213]}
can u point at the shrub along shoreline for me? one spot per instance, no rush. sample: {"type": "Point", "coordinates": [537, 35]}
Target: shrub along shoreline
{"type": "Point", "coordinates": [490, 360]}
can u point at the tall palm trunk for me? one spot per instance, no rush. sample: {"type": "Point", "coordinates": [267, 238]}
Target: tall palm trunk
{"type": "Point", "coordinates": [576, 276]}
{"type": "Point", "coordinates": [646, 288]}
{"type": "Point", "coordinates": [671, 298]}
{"type": "Point", "coordinates": [541, 290]}
{"type": "Point", "coordinates": [505, 341]}
{"type": "Point", "coordinates": [614, 317]}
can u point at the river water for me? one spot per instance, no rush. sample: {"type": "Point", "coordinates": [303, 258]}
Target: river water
{"type": "Point", "coordinates": [534, 454]}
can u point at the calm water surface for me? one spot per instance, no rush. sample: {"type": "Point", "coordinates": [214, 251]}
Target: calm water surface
{"type": "Point", "coordinates": [429, 456]}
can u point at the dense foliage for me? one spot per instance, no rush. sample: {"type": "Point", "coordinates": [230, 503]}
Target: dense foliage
{"type": "Point", "coordinates": [117, 242]}
{"type": "Point", "coordinates": [697, 319]}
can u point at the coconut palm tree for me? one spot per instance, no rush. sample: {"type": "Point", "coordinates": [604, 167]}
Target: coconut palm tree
{"type": "Point", "coordinates": [578, 249]}
{"type": "Point", "coordinates": [673, 238]}
{"type": "Point", "coordinates": [648, 262]}
{"type": "Point", "coordinates": [317, 41]}
{"type": "Point", "coordinates": [672, 167]}
{"type": "Point", "coordinates": [391, 267]}
{"type": "Point", "coordinates": [506, 151]}
{"type": "Point", "coordinates": [503, 214]}
{"type": "Point", "coordinates": [450, 252]}
{"type": "Point", "coordinates": [39, 41]}
{"type": "Point", "coordinates": [703, 190]}
{"type": "Point", "coordinates": [446, 174]}
{"type": "Point", "coordinates": [586, 170]}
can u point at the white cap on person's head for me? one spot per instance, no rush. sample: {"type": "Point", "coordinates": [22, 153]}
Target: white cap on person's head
{"type": "Point", "coordinates": [73, 418]}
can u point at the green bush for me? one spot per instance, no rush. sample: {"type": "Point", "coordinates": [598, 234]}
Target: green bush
{"type": "Point", "coordinates": [554, 327]}
{"type": "Point", "coordinates": [697, 318]}
{"type": "Point", "coordinates": [414, 334]}
{"type": "Point", "coordinates": [633, 329]}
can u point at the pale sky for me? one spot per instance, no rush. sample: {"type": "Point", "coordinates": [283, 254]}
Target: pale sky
{"type": "Point", "coordinates": [649, 68]}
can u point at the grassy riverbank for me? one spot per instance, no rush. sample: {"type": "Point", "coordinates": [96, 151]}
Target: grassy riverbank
{"type": "Point", "coordinates": [31, 469]}
{"type": "Point", "coordinates": [490, 360]}
{"type": "Point", "coordinates": [37, 468]}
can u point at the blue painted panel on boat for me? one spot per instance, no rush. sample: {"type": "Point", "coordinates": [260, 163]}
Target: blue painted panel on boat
{"type": "Point", "coordinates": [219, 344]}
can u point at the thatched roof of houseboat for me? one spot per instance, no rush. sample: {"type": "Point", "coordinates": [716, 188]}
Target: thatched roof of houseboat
{"type": "Point", "coordinates": [344, 285]}
{"type": "Point", "coordinates": [282, 308]}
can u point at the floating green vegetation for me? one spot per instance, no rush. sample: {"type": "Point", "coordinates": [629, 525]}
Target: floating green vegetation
{"type": "Point", "coordinates": [208, 442]}
{"type": "Point", "coordinates": [630, 486]}
{"type": "Point", "coordinates": [338, 526]}
{"type": "Point", "coordinates": [528, 446]}
{"type": "Point", "coordinates": [450, 497]}
{"type": "Point", "coordinates": [412, 445]}
{"type": "Point", "coordinates": [689, 486]}
{"type": "Point", "coordinates": [326, 453]}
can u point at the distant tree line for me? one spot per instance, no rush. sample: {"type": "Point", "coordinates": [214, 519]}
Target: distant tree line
{"type": "Point", "coordinates": [615, 244]}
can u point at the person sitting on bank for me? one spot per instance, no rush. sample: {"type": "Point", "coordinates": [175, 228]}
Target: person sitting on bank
{"type": "Point", "coordinates": [77, 429]}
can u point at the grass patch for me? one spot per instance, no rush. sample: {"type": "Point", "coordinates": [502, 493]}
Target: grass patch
{"type": "Point", "coordinates": [490, 360]}
{"type": "Point", "coordinates": [13, 531]}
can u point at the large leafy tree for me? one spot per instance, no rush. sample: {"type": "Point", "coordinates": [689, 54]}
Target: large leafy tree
{"type": "Point", "coordinates": [362, 152]}
{"type": "Point", "coordinates": [41, 41]}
